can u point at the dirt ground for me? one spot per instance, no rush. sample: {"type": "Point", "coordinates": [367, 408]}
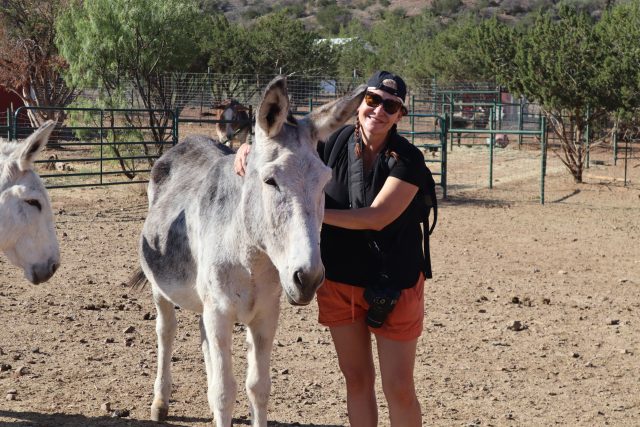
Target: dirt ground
{"type": "Point", "coordinates": [531, 318]}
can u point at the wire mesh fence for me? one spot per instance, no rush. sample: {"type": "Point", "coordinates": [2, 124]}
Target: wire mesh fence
{"type": "Point", "coordinates": [472, 108]}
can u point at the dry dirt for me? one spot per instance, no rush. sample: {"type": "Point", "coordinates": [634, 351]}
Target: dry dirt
{"type": "Point", "coordinates": [567, 271]}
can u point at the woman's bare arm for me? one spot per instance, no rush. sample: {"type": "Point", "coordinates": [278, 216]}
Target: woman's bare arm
{"type": "Point", "coordinates": [394, 197]}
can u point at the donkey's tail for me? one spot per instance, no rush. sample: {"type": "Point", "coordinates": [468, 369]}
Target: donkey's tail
{"type": "Point", "coordinates": [137, 280]}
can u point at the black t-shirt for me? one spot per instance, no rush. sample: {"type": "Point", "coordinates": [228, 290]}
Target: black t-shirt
{"type": "Point", "coordinates": [346, 254]}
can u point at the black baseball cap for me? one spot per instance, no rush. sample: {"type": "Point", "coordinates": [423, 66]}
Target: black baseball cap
{"type": "Point", "coordinates": [389, 83]}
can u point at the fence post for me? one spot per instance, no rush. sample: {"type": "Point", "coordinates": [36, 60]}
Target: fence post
{"type": "Point", "coordinates": [176, 120]}
{"type": "Point", "coordinates": [8, 124]}
{"type": "Point", "coordinates": [492, 138]}
{"type": "Point", "coordinates": [443, 155]}
{"type": "Point", "coordinates": [450, 124]}
{"type": "Point", "coordinates": [627, 152]}
{"type": "Point", "coordinates": [615, 144]}
{"type": "Point", "coordinates": [101, 143]}
{"type": "Point", "coordinates": [520, 121]}
{"type": "Point", "coordinates": [413, 118]}
{"type": "Point", "coordinates": [543, 152]}
{"type": "Point", "coordinates": [586, 136]}
{"type": "Point", "coordinates": [14, 123]}
{"type": "Point", "coordinates": [434, 96]}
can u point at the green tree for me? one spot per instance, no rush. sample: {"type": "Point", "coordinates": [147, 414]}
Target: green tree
{"type": "Point", "coordinates": [453, 54]}
{"type": "Point", "coordinates": [445, 7]}
{"type": "Point", "coordinates": [496, 44]}
{"type": "Point", "coordinates": [333, 17]}
{"type": "Point", "coordinates": [619, 30]}
{"type": "Point", "coordinates": [356, 56]}
{"type": "Point", "coordinates": [280, 44]}
{"type": "Point", "coordinates": [400, 43]}
{"type": "Point", "coordinates": [227, 48]}
{"type": "Point", "coordinates": [556, 63]}
{"type": "Point", "coordinates": [30, 65]}
{"type": "Point", "coordinates": [111, 44]}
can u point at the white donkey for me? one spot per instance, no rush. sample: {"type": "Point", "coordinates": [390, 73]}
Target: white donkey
{"type": "Point", "coordinates": [226, 246]}
{"type": "Point", "coordinates": [27, 233]}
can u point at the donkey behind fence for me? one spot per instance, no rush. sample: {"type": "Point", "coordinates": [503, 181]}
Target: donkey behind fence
{"type": "Point", "coordinates": [27, 234]}
{"type": "Point", "coordinates": [227, 246]}
{"type": "Point", "coordinates": [235, 123]}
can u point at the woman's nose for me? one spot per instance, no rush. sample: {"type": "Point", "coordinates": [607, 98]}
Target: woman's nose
{"type": "Point", "coordinates": [379, 109]}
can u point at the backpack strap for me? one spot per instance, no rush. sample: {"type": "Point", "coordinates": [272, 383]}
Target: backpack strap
{"type": "Point", "coordinates": [430, 203]}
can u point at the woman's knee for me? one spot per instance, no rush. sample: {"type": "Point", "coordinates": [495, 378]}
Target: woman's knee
{"type": "Point", "coordinates": [399, 390]}
{"type": "Point", "coordinates": [358, 378]}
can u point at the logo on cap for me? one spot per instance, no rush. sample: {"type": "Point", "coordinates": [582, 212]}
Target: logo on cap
{"type": "Point", "coordinates": [390, 83]}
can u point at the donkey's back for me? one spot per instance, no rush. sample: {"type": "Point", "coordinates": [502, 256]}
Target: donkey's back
{"type": "Point", "coordinates": [183, 185]}
{"type": "Point", "coordinates": [183, 167]}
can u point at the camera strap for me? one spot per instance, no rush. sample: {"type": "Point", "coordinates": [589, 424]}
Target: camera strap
{"type": "Point", "coordinates": [357, 194]}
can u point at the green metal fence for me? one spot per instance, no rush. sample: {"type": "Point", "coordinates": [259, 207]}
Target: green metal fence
{"type": "Point", "coordinates": [119, 146]}
{"type": "Point", "coordinates": [100, 146]}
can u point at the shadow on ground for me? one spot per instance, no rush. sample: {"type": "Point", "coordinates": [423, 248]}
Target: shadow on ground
{"type": "Point", "coordinates": [474, 201]}
{"type": "Point", "coordinates": [34, 419]}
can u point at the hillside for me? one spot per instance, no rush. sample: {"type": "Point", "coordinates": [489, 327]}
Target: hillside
{"type": "Point", "coordinates": [368, 11]}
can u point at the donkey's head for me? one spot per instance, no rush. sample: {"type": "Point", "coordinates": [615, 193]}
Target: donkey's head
{"type": "Point", "coordinates": [235, 117]}
{"type": "Point", "coordinates": [284, 186]}
{"type": "Point", "coordinates": [27, 234]}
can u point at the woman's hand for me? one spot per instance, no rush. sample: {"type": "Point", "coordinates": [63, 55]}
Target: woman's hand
{"type": "Point", "coordinates": [241, 158]}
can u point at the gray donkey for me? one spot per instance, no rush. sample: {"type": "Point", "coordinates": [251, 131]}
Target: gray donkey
{"type": "Point", "coordinates": [226, 246]}
{"type": "Point", "coordinates": [27, 233]}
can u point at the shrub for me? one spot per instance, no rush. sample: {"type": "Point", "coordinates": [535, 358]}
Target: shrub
{"type": "Point", "coordinates": [446, 7]}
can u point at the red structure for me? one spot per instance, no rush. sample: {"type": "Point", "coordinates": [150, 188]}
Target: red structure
{"type": "Point", "coordinates": [9, 101]}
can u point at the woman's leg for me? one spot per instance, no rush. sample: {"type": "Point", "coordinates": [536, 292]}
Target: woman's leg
{"type": "Point", "coordinates": [353, 345]}
{"type": "Point", "coordinates": [397, 360]}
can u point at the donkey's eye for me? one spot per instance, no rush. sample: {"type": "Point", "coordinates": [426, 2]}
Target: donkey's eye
{"type": "Point", "coordinates": [35, 203]}
{"type": "Point", "coordinates": [272, 182]}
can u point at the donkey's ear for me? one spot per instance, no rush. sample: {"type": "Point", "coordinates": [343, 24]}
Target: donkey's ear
{"type": "Point", "coordinates": [273, 110]}
{"type": "Point", "coordinates": [328, 118]}
{"type": "Point", "coordinates": [31, 146]}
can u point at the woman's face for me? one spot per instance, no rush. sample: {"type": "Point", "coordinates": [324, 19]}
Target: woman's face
{"type": "Point", "coordinates": [375, 121]}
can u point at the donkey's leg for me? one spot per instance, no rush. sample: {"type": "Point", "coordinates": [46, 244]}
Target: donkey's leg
{"type": "Point", "coordinates": [205, 351]}
{"type": "Point", "coordinates": [216, 346]}
{"type": "Point", "coordinates": [166, 325]}
{"type": "Point", "coordinates": [262, 331]}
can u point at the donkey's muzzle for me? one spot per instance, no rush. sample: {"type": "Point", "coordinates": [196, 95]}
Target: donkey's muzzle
{"type": "Point", "coordinates": [42, 272]}
{"type": "Point", "coordinates": [307, 283]}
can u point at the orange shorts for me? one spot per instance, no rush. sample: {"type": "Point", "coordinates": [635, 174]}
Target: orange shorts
{"type": "Point", "coordinates": [340, 304]}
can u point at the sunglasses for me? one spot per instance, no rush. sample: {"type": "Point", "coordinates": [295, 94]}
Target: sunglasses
{"type": "Point", "coordinates": [390, 106]}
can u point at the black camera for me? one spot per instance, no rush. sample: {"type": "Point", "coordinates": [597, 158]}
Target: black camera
{"type": "Point", "coordinates": [381, 299]}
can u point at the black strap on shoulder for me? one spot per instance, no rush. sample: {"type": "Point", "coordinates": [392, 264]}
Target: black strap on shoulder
{"type": "Point", "coordinates": [357, 198]}
{"type": "Point", "coordinates": [333, 146]}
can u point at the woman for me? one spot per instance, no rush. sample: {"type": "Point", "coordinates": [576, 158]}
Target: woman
{"type": "Point", "coordinates": [372, 250]}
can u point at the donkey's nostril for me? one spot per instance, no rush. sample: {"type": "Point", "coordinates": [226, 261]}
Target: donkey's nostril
{"type": "Point", "coordinates": [54, 267]}
{"type": "Point", "coordinates": [298, 278]}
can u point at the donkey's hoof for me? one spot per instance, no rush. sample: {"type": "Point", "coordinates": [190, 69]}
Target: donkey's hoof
{"type": "Point", "coordinates": [159, 413]}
